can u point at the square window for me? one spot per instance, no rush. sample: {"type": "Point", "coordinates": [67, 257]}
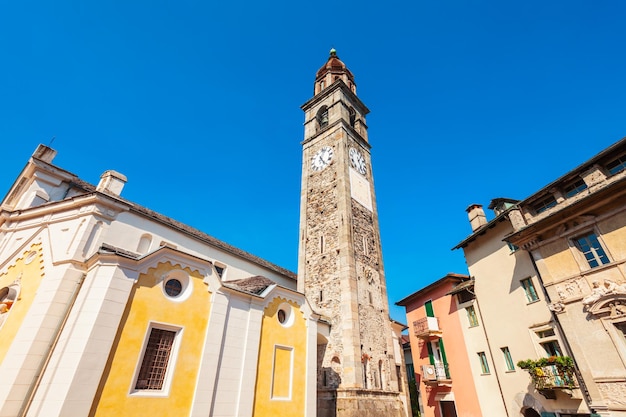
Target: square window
{"type": "Point", "coordinates": [574, 188]}
{"type": "Point", "coordinates": [529, 290]}
{"type": "Point", "coordinates": [545, 204]}
{"type": "Point", "coordinates": [617, 165]}
{"type": "Point", "coordinates": [508, 360]}
{"type": "Point", "coordinates": [590, 247]}
{"type": "Point", "coordinates": [484, 365]}
{"type": "Point", "coordinates": [156, 358]}
{"type": "Point", "coordinates": [471, 316]}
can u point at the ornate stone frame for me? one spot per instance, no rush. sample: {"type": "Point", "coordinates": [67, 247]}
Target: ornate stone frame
{"type": "Point", "coordinates": [611, 309]}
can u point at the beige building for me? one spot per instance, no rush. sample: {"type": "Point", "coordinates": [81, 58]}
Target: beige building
{"type": "Point", "coordinates": [575, 230]}
{"type": "Point", "coordinates": [516, 323]}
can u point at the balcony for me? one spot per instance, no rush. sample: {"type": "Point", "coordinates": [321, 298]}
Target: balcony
{"type": "Point", "coordinates": [427, 328]}
{"type": "Point", "coordinates": [551, 374]}
{"type": "Point", "coordinates": [438, 374]}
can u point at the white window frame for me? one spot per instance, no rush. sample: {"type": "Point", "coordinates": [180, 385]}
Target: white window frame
{"type": "Point", "coordinates": [580, 256]}
{"type": "Point", "coordinates": [171, 363]}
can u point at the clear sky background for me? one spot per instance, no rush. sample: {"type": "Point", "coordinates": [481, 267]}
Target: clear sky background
{"type": "Point", "coordinates": [198, 104]}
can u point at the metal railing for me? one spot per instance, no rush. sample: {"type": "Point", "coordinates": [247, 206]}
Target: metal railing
{"type": "Point", "coordinates": [442, 371]}
{"type": "Point", "coordinates": [550, 376]}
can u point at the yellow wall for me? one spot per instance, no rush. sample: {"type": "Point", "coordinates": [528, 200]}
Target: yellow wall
{"type": "Point", "coordinates": [275, 369]}
{"type": "Point", "coordinates": [30, 276]}
{"type": "Point", "coordinates": [148, 303]}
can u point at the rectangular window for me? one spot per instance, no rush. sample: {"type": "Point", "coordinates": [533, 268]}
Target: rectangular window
{"type": "Point", "coordinates": [590, 247]}
{"type": "Point", "coordinates": [508, 360]}
{"type": "Point", "coordinates": [471, 316]}
{"type": "Point", "coordinates": [545, 333]}
{"type": "Point", "coordinates": [155, 359]}
{"type": "Point", "coordinates": [484, 365]}
{"type": "Point", "coordinates": [529, 290]}
{"type": "Point", "coordinates": [574, 188]}
{"type": "Point", "coordinates": [617, 165]}
{"type": "Point", "coordinates": [544, 204]}
{"type": "Point", "coordinates": [552, 348]}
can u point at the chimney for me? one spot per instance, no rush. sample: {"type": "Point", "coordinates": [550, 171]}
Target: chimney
{"type": "Point", "coordinates": [111, 182]}
{"type": "Point", "coordinates": [44, 153]}
{"type": "Point", "coordinates": [476, 216]}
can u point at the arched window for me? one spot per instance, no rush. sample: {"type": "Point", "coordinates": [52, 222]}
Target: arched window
{"type": "Point", "coordinates": [352, 116]}
{"type": "Point", "coordinates": [322, 117]}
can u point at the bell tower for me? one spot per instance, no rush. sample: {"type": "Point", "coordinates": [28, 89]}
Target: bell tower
{"type": "Point", "coordinates": [340, 267]}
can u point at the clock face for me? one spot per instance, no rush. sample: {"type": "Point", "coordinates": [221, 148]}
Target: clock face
{"type": "Point", "coordinates": [322, 158]}
{"type": "Point", "coordinates": [357, 160]}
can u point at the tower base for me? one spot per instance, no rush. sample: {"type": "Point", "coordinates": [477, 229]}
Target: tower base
{"type": "Point", "coordinates": [357, 402]}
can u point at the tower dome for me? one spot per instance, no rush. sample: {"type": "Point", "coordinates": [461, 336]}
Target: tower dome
{"type": "Point", "coordinates": [334, 69]}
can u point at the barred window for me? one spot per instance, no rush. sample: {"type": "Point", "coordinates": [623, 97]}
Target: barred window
{"type": "Point", "coordinates": [155, 360]}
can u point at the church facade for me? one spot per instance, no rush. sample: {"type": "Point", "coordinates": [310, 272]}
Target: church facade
{"type": "Point", "coordinates": [109, 308]}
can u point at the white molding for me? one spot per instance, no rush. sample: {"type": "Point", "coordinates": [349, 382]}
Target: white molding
{"type": "Point", "coordinates": [171, 364]}
{"type": "Point", "coordinates": [291, 358]}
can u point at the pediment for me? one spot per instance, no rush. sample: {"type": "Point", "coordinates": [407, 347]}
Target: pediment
{"type": "Point", "coordinates": [613, 305]}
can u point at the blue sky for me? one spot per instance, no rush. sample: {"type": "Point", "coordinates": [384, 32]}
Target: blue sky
{"type": "Point", "coordinates": [198, 104]}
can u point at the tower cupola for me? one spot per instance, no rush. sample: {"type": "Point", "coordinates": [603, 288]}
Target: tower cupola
{"type": "Point", "coordinates": [334, 69]}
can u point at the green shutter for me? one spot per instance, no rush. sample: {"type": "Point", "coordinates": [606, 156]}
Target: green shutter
{"type": "Point", "coordinates": [428, 305]}
{"type": "Point", "coordinates": [443, 352]}
{"type": "Point", "coordinates": [443, 358]}
{"type": "Point", "coordinates": [431, 357]}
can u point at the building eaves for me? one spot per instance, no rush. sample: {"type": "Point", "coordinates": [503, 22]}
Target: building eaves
{"type": "Point", "coordinates": [606, 194]}
{"type": "Point", "coordinates": [462, 286]}
{"type": "Point", "coordinates": [114, 250]}
{"type": "Point", "coordinates": [209, 239]}
{"type": "Point", "coordinates": [582, 167]}
{"type": "Point", "coordinates": [449, 277]}
{"type": "Point", "coordinates": [483, 229]}
{"type": "Point", "coordinates": [195, 233]}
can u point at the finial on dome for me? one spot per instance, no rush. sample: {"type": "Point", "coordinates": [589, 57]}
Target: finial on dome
{"type": "Point", "coordinates": [333, 52]}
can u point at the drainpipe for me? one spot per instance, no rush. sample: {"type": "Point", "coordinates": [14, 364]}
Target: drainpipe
{"type": "Point", "coordinates": [555, 317]}
{"type": "Point", "coordinates": [495, 370]}
{"type": "Point", "coordinates": [30, 395]}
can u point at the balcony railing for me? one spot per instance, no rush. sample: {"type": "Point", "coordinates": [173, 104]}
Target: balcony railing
{"type": "Point", "coordinates": [441, 374]}
{"type": "Point", "coordinates": [549, 377]}
{"type": "Point", "coordinates": [548, 374]}
{"type": "Point", "coordinates": [426, 327]}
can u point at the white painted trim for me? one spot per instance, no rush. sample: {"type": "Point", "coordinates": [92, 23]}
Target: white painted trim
{"type": "Point", "coordinates": [185, 280]}
{"type": "Point", "coordinates": [171, 363]}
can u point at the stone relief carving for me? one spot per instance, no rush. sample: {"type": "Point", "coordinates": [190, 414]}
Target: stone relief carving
{"type": "Point", "coordinates": [598, 291]}
{"type": "Point", "coordinates": [613, 392]}
{"type": "Point", "coordinates": [571, 289]}
{"type": "Point", "coordinates": [617, 309]}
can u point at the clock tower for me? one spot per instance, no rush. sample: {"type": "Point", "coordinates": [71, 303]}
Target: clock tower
{"type": "Point", "coordinates": [340, 268]}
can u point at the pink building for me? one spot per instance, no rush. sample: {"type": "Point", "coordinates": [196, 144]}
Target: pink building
{"type": "Point", "coordinates": [443, 372]}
